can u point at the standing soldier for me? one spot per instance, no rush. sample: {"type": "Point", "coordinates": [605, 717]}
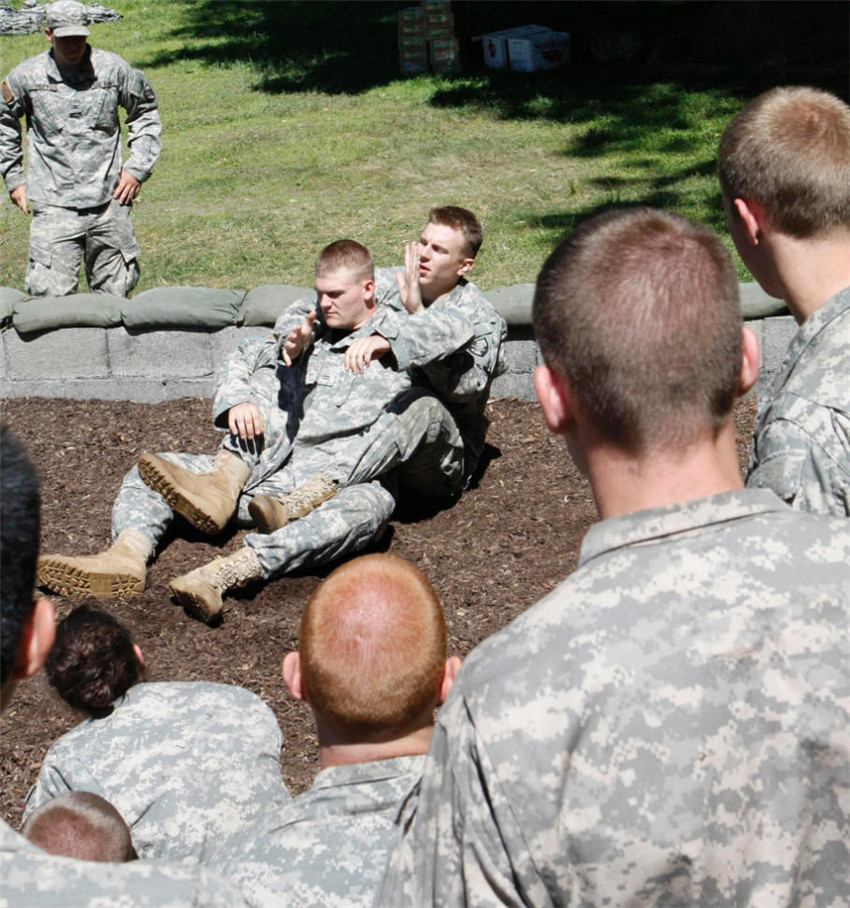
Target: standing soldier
{"type": "Point", "coordinates": [79, 191]}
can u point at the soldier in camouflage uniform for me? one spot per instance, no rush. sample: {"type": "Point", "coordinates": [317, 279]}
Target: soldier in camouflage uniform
{"type": "Point", "coordinates": [784, 166]}
{"type": "Point", "coordinates": [78, 189]}
{"type": "Point", "coordinates": [372, 664]}
{"type": "Point", "coordinates": [671, 725]}
{"type": "Point", "coordinates": [289, 424]}
{"type": "Point", "coordinates": [30, 876]}
{"type": "Point", "coordinates": [189, 765]}
{"type": "Point", "coordinates": [450, 337]}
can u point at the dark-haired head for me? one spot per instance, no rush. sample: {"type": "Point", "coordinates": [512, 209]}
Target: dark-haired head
{"type": "Point", "coordinates": [94, 661]}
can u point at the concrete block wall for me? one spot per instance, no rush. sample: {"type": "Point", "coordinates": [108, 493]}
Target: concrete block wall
{"type": "Point", "coordinates": [154, 366]}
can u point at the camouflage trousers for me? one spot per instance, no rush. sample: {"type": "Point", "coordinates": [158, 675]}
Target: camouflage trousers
{"type": "Point", "coordinates": [356, 516]}
{"type": "Point", "coordinates": [61, 239]}
{"type": "Point", "coordinates": [419, 436]}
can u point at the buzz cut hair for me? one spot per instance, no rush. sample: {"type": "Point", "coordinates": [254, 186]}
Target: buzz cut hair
{"type": "Point", "coordinates": [349, 255]}
{"type": "Point", "coordinates": [373, 648]}
{"type": "Point", "coordinates": [789, 151]}
{"type": "Point", "coordinates": [638, 309]}
{"type": "Point", "coordinates": [80, 825]}
{"type": "Point", "coordinates": [463, 220]}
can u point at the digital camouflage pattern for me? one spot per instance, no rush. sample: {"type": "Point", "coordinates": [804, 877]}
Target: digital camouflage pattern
{"type": "Point", "coordinates": [318, 417]}
{"type": "Point", "coordinates": [32, 878]}
{"type": "Point", "coordinates": [74, 162]}
{"type": "Point", "coordinates": [670, 726]}
{"type": "Point", "coordinates": [454, 349]}
{"type": "Point", "coordinates": [329, 846]}
{"type": "Point", "coordinates": [73, 129]}
{"type": "Point", "coordinates": [801, 443]}
{"type": "Point", "coordinates": [189, 765]}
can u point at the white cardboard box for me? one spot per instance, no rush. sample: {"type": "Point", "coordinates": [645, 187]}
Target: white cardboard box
{"type": "Point", "coordinates": [495, 44]}
{"type": "Point", "coordinates": [540, 50]}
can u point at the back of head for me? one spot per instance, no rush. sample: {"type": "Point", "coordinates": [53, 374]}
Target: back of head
{"type": "Point", "coordinates": [93, 661]}
{"type": "Point", "coordinates": [638, 309]}
{"type": "Point", "coordinates": [789, 151]}
{"type": "Point", "coordinates": [20, 508]}
{"type": "Point", "coordinates": [373, 648]}
{"type": "Point", "coordinates": [81, 825]}
{"type": "Point", "coordinates": [463, 220]}
{"type": "Point", "coordinates": [348, 255]}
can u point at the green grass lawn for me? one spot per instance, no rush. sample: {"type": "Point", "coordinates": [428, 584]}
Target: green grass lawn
{"type": "Point", "coordinates": [287, 125]}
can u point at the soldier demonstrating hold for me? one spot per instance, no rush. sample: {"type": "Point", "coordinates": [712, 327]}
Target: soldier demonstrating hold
{"type": "Point", "coordinates": [79, 191]}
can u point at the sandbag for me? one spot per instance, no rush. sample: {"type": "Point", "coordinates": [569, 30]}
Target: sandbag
{"type": "Point", "coordinates": [182, 307]}
{"type": "Point", "coordinates": [9, 300]}
{"type": "Point", "coordinates": [263, 305]}
{"type": "Point", "coordinates": [78, 310]}
{"type": "Point", "coordinates": [512, 303]}
{"type": "Point", "coordinates": [755, 303]}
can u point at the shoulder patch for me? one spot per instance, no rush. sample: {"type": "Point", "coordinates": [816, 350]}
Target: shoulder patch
{"type": "Point", "coordinates": [6, 91]}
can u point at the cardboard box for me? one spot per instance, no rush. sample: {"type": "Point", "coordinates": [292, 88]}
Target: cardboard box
{"type": "Point", "coordinates": [444, 56]}
{"type": "Point", "coordinates": [542, 50]}
{"type": "Point", "coordinates": [495, 44]}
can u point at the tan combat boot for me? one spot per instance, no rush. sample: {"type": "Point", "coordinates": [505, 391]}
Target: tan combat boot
{"type": "Point", "coordinates": [120, 570]}
{"type": "Point", "coordinates": [206, 500]}
{"type": "Point", "coordinates": [200, 591]}
{"type": "Point", "coordinates": [270, 514]}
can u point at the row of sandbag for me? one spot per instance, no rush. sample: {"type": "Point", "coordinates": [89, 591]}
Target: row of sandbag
{"type": "Point", "coordinates": [160, 308]}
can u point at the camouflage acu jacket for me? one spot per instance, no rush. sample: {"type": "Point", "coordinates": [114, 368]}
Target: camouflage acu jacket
{"type": "Point", "coordinates": [189, 765]}
{"type": "Point", "coordinates": [670, 726]}
{"type": "Point", "coordinates": [74, 133]}
{"type": "Point", "coordinates": [317, 414]}
{"type": "Point", "coordinates": [329, 846]}
{"type": "Point", "coordinates": [801, 445]}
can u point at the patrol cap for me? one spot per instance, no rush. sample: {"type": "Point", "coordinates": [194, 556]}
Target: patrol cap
{"type": "Point", "coordinates": [66, 17]}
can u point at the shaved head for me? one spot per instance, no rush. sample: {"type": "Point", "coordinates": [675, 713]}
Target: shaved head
{"type": "Point", "coordinates": [373, 647]}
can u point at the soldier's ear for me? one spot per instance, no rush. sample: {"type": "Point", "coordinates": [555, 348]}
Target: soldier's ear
{"type": "Point", "coordinates": [553, 393]}
{"type": "Point", "coordinates": [465, 266]}
{"type": "Point", "coordinates": [292, 675]}
{"type": "Point", "coordinates": [450, 670]}
{"type": "Point", "coordinates": [36, 640]}
{"type": "Point", "coordinates": [749, 362]}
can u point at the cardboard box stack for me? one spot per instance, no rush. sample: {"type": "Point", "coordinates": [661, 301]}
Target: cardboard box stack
{"type": "Point", "coordinates": [426, 38]}
{"type": "Point", "coordinates": [526, 49]}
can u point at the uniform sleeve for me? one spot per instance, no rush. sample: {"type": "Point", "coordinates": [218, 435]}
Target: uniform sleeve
{"type": "Point", "coordinates": [12, 109]}
{"type": "Point", "coordinates": [462, 846]}
{"type": "Point", "coordinates": [794, 467]}
{"type": "Point", "coordinates": [233, 375]}
{"type": "Point", "coordinates": [459, 347]}
{"type": "Point", "coordinates": [57, 776]}
{"type": "Point", "coordinates": [143, 124]}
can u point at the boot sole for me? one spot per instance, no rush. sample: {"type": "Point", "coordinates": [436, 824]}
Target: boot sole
{"type": "Point", "coordinates": [195, 604]}
{"type": "Point", "coordinates": [264, 517]}
{"type": "Point", "coordinates": [176, 500]}
{"type": "Point", "coordinates": [77, 583]}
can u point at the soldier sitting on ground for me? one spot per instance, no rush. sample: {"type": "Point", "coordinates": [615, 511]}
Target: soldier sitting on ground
{"type": "Point", "coordinates": [189, 764]}
{"type": "Point", "coordinates": [784, 167]}
{"type": "Point", "coordinates": [297, 425]}
{"type": "Point", "coordinates": [372, 665]}
{"type": "Point", "coordinates": [81, 825]}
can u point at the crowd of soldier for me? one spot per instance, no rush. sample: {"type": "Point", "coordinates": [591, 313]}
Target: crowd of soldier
{"type": "Point", "coordinates": [671, 723]}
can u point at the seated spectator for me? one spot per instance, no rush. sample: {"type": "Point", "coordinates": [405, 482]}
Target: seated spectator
{"type": "Point", "coordinates": [188, 764]}
{"type": "Point", "coordinates": [372, 665]}
{"type": "Point", "coordinates": [31, 876]}
{"type": "Point", "coordinates": [671, 724]}
{"type": "Point", "coordinates": [81, 825]}
{"type": "Point", "coordinates": [784, 166]}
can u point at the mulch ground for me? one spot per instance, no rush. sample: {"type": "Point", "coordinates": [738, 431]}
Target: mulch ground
{"type": "Point", "coordinates": [499, 549]}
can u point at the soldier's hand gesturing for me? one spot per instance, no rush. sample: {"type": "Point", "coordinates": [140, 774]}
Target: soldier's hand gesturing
{"type": "Point", "coordinates": [297, 340]}
{"type": "Point", "coordinates": [408, 280]}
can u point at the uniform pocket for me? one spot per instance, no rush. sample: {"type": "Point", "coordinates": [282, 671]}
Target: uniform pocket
{"type": "Point", "coordinates": [41, 255]}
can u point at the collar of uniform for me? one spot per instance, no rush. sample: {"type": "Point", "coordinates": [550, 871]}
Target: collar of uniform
{"type": "Point", "coordinates": [652, 524]}
{"type": "Point", "coordinates": [372, 771]}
